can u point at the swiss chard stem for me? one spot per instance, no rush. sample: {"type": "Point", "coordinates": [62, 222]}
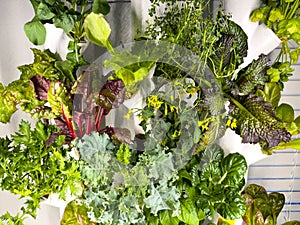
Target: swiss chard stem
{"type": "Point", "coordinates": [99, 118]}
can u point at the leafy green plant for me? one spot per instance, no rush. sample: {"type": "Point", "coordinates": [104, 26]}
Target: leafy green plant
{"type": "Point", "coordinates": [146, 189]}
{"type": "Point", "coordinates": [282, 16]}
{"type": "Point", "coordinates": [262, 208]}
{"type": "Point", "coordinates": [31, 168]}
{"type": "Point", "coordinates": [68, 15]}
{"type": "Point", "coordinates": [173, 172]}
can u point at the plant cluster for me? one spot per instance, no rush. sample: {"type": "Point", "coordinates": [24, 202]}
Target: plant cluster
{"type": "Point", "coordinates": [283, 17]}
{"type": "Point", "coordinates": [171, 172]}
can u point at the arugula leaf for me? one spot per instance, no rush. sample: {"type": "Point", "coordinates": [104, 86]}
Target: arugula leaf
{"type": "Point", "coordinates": [257, 122]}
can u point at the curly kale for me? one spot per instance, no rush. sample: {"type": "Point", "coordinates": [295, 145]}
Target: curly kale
{"type": "Point", "coordinates": [257, 122]}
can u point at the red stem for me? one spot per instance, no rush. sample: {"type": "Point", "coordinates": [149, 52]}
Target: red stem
{"type": "Point", "coordinates": [69, 123]}
{"type": "Point", "coordinates": [99, 118]}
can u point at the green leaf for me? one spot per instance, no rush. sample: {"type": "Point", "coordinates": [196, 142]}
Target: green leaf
{"type": "Point", "coordinates": [167, 219]}
{"type": "Point", "coordinates": [231, 209]}
{"type": "Point", "coordinates": [260, 14]}
{"type": "Point", "coordinates": [59, 99]}
{"type": "Point", "coordinates": [293, 144]}
{"type": "Point", "coordinates": [97, 29]}
{"type": "Point", "coordinates": [262, 208]}
{"type": "Point", "coordinates": [43, 12]}
{"type": "Point", "coordinates": [101, 6]}
{"type": "Point", "coordinates": [271, 93]}
{"type": "Point", "coordinates": [65, 21]}
{"type": "Point", "coordinates": [257, 122]}
{"type": "Point", "coordinates": [75, 214]}
{"type": "Point", "coordinates": [274, 74]}
{"type": "Point", "coordinates": [162, 198]}
{"type": "Point", "coordinates": [253, 75]}
{"type": "Point", "coordinates": [189, 213]}
{"type": "Point", "coordinates": [162, 167]}
{"type": "Point", "coordinates": [35, 31]}
{"type": "Point", "coordinates": [234, 166]}
{"type": "Point", "coordinates": [285, 112]}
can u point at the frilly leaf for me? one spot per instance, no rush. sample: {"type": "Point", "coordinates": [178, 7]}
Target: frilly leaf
{"type": "Point", "coordinates": [257, 122]}
{"type": "Point", "coordinates": [253, 75]}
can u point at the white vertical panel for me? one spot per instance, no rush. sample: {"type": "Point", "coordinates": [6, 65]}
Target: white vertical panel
{"type": "Point", "coordinates": [281, 171]}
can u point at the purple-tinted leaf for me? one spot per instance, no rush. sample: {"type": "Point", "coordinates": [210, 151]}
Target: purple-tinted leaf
{"type": "Point", "coordinates": [112, 95]}
{"type": "Point", "coordinates": [257, 122]}
{"type": "Point", "coordinates": [41, 87]}
{"type": "Point", "coordinates": [119, 135]}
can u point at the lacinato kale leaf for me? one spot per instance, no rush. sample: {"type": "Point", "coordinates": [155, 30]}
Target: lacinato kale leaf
{"type": "Point", "coordinates": [257, 122]}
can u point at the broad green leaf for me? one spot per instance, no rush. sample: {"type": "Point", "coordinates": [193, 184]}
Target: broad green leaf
{"type": "Point", "coordinates": [189, 213]}
{"type": "Point", "coordinates": [43, 12]}
{"type": "Point", "coordinates": [274, 74]}
{"type": "Point", "coordinates": [277, 201]}
{"type": "Point", "coordinates": [234, 167]}
{"type": "Point", "coordinates": [271, 93]}
{"type": "Point", "coordinates": [97, 29]}
{"type": "Point", "coordinates": [163, 167]}
{"type": "Point", "coordinates": [285, 112]}
{"type": "Point", "coordinates": [231, 209]}
{"type": "Point", "coordinates": [75, 214]}
{"type": "Point", "coordinates": [167, 219]}
{"type": "Point", "coordinates": [65, 21]}
{"type": "Point", "coordinates": [293, 144]}
{"type": "Point", "coordinates": [36, 32]}
{"type": "Point", "coordinates": [214, 153]}
{"type": "Point", "coordinates": [100, 6]}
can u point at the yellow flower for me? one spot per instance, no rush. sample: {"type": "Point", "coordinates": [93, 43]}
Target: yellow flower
{"type": "Point", "coordinates": [127, 116]}
{"type": "Point", "coordinates": [204, 124]}
{"type": "Point", "coordinates": [233, 124]}
{"type": "Point", "coordinates": [154, 102]}
{"type": "Point", "coordinates": [228, 123]}
{"type": "Point", "coordinates": [176, 134]}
